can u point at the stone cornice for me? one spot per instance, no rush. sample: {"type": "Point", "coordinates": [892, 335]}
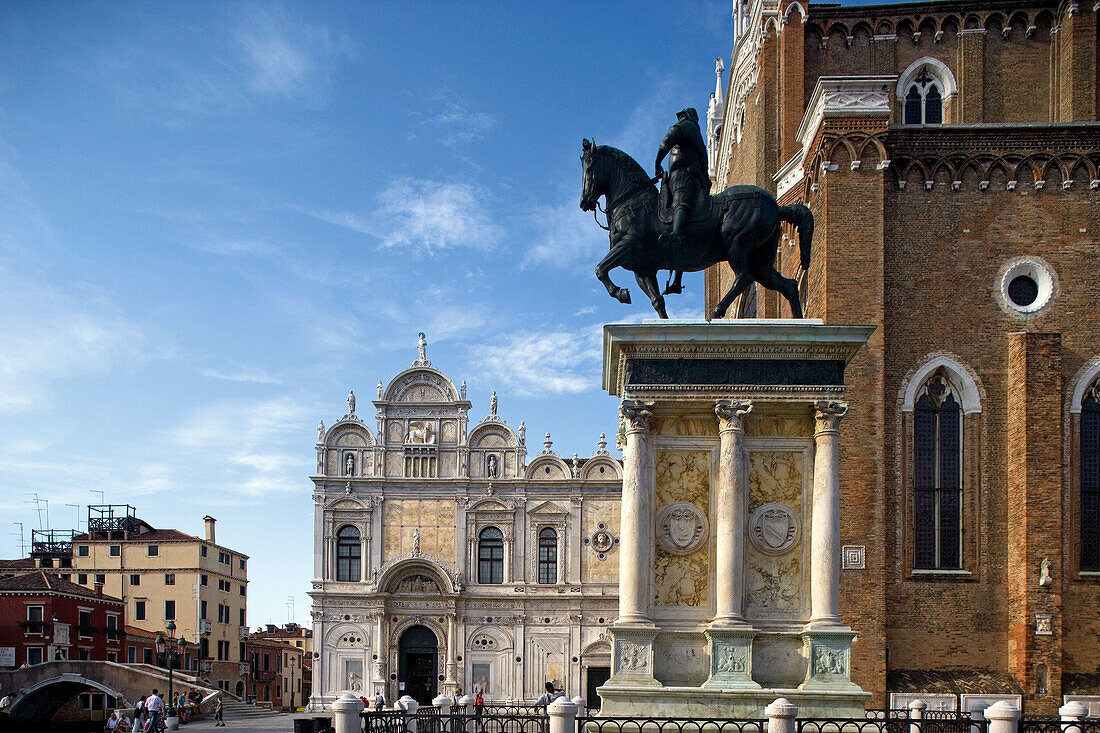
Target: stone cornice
{"type": "Point", "coordinates": [864, 97]}
{"type": "Point", "coordinates": [938, 7]}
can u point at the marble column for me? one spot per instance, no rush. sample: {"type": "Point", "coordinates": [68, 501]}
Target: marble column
{"type": "Point", "coordinates": [636, 535]}
{"type": "Point", "coordinates": [731, 504]}
{"type": "Point", "coordinates": [729, 637]}
{"type": "Point", "coordinates": [825, 542]}
{"type": "Point", "coordinates": [450, 682]}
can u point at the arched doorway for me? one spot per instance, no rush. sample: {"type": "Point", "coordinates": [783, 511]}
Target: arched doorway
{"type": "Point", "coordinates": [417, 660]}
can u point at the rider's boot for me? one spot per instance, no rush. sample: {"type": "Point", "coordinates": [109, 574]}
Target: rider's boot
{"type": "Point", "coordinates": [674, 286]}
{"type": "Point", "coordinates": [675, 238]}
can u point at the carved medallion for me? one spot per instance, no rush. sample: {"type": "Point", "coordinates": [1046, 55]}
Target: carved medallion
{"type": "Point", "coordinates": [729, 658]}
{"type": "Point", "coordinates": [774, 528]}
{"type": "Point", "coordinates": [681, 528]}
{"type": "Point", "coordinates": [633, 657]}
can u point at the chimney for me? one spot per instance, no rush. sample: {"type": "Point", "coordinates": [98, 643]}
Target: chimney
{"type": "Point", "coordinates": [209, 527]}
{"type": "Point", "coordinates": [99, 589]}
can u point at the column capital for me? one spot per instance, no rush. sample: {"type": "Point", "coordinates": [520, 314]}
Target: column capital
{"type": "Point", "coordinates": [637, 414]}
{"type": "Point", "coordinates": [827, 415]}
{"type": "Point", "coordinates": [731, 414]}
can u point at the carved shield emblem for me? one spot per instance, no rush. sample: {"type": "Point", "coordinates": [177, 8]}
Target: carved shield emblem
{"type": "Point", "coordinates": [775, 525]}
{"type": "Point", "coordinates": [681, 528]}
{"type": "Point", "coordinates": [774, 528]}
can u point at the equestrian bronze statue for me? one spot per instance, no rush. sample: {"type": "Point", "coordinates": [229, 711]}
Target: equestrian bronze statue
{"type": "Point", "coordinates": [739, 225]}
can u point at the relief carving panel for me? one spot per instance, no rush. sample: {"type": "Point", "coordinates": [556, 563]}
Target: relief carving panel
{"type": "Point", "coordinates": [681, 569]}
{"type": "Point", "coordinates": [774, 585]}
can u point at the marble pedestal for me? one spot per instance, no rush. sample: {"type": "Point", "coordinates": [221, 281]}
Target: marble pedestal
{"type": "Point", "coordinates": [729, 537]}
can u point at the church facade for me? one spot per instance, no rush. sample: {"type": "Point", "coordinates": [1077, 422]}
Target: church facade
{"type": "Point", "coordinates": [950, 153]}
{"type": "Point", "coordinates": [445, 558]}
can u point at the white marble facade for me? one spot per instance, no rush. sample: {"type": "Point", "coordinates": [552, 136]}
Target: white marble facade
{"type": "Point", "coordinates": [411, 493]}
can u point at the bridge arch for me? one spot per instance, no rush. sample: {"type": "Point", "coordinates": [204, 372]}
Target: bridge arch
{"type": "Point", "coordinates": [41, 701]}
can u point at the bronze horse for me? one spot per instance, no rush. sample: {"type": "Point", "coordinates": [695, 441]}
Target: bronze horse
{"type": "Point", "coordinates": [739, 226]}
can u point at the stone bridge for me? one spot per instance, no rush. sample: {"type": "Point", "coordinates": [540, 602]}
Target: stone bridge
{"type": "Point", "coordinates": [39, 691]}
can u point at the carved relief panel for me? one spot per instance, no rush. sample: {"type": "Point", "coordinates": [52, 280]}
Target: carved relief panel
{"type": "Point", "coordinates": [776, 584]}
{"type": "Point", "coordinates": [681, 570]}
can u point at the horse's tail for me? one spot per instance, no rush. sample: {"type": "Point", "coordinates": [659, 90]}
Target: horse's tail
{"type": "Point", "coordinates": [803, 220]}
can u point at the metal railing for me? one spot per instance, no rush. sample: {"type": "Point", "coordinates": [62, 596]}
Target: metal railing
{"type": "Point", "coordinates": [641, 724]}
{"type": "Point", "coordinates": [382, 721]}
{"type": "Point", "coordinates": [1037, 724]}
{"type": "Point", "coordinates": [885, 722]}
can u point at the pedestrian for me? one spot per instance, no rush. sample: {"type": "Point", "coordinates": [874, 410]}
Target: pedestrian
{"type": "Point", "coordinates": [218, 722]}
{"type": "Point", "coordinates": [379, 701]}
{"type": "Point", "coordinates": [140, 713]}
{"type": "Point", "coordinates": [548, 697]}
{"type": "Point", "coordinates": [457, 697]}
{"type": "Point", "coordinates": [479, 705]}
{"type": "Point", "coordinates": [155, 705]}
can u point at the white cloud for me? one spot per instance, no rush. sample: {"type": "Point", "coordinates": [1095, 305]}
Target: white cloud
{"type": "Point", "coordinates": [287, 57]}
{"type": "Point", "coordinates": [569, 237]}
{"type": "Point", "coordinates": [49, 337]}
{"type": "Point", "coordinates": [258, 443]}
{"type": "Point", "coordinates": [554, 362]}
{"type": "Point", "coordinates": [454, 123]}
{"type": "Point", "coordinates": [242, 374]}
{"type": "Point", "coordinates": [426, 217]}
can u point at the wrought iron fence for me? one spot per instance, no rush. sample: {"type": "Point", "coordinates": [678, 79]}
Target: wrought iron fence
{"type": "Point", "coordinates": [382, 721]}
{"type": "Point", "coordinates": [1036, 724]}
{"type": "Point", "coordinates": [887, 723]}
{"type": "Point", "coordinates": [880, 714]}
{"type": "Point", "coordinates": [589, 724]}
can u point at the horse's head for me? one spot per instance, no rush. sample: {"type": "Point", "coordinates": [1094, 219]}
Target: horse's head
{"type": "Point", "coordinates": [591, 176]}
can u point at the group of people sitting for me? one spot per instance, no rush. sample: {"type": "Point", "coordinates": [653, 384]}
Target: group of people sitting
{"type": "Point", "coordinates": [151, 710]}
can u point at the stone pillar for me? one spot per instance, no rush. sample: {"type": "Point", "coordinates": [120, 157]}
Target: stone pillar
{"type": "Point", "coordinates": [409, 707]}
{"type": "Point", "coordinates": [450, 681]}
{"type": "Point", "coordinates": [1072, 712]}
{"type": "Point", "coordinates": [825, 533]}
{"type": "Point", "coordinates": [636, 535]}
{"type": "Point", "coordinates": [781, 716]}
{"type": "Point", "coordinates": [563, 716]}
{"type": "Point", "coordinates": [1002, 717]}
{"type": "Point", "coordinates": [732, 503]}
{"type": "Point", "coordinates": [827, 642]}
{"type": "Point", "coordinates": [729, 638]}
{"type": "Point", "coordinates": [345, 713]}
{"type": "Point", "coordinates": [916, 712]}
{"type": "Point", "coordinates": [633, 632]}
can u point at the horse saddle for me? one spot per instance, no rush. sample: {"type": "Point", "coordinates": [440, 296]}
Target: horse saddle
{"type": "Point", "coordinates": [700, 205]}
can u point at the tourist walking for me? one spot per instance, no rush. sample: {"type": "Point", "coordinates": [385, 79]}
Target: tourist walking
{"type": "Point", "coordinates": [155, 705]}
{"type": "Point", "coordinates": [218, 710]}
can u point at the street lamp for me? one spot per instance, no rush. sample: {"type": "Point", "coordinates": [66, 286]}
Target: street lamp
{"type": "Point", "coordinates": [172, 652]}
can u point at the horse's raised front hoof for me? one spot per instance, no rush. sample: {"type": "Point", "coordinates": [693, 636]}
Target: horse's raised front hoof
{"type": "Point", "coordinates": [673, 289]}
{"type": "Point", "coordinates": [623, 295]}
{"type": "Point", "coordinates": [718, 313]}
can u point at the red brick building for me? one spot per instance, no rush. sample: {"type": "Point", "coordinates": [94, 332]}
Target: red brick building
{"type": "Point", "coordinates": [950, 153]}
{"type": "Point", "coordinates": [43, 617]}
{"type": "Point", "coordinates": [274, 672]}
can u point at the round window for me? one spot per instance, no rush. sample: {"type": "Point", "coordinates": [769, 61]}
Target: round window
{"type": "Point", "coordinates": [1027, 285]}
{"type": "Point", "coordinates": [1023, 290]}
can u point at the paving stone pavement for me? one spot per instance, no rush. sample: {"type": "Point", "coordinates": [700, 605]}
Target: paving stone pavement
{"type": "Point", "coordinates": [273, 724]}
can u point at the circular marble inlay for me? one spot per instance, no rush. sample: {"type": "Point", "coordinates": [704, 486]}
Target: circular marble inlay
{"type": "Point", "coordinates": [602, 541]}
{"type": "Point", "coordinates": [774, 528]}
{"type": "Point", "coordinates": [681, 528]}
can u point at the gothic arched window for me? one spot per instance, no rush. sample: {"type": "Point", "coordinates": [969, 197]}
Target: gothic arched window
{"type": "Point", "coordinates": [924, 100]}
{"type": "Point", "coordinates": [348, 554]}
{"type": "Point", "coordinates": [937, 477]}
{"type": "Point", "coordinates": [1090, 479]}
{"type": "Point", "coordinates": [548, 556]}
{"type": "Point", "coordinates": [490, 556]}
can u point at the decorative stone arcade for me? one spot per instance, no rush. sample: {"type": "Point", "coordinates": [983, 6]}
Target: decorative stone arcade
{"type": "Point", "coordinates": [730, 533]}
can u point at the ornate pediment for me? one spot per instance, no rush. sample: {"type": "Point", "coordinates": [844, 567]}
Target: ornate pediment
{"type": "Point", "coordinates": [548, 509]}
{"type": "Point", "coordinates": [490, 505]}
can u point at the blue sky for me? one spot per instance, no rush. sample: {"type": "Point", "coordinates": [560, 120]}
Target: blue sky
{"type": "Point", "coordinates": [216, 218]}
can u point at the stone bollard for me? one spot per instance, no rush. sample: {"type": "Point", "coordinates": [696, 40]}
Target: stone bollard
{"type": "Point", "coordinates": [582, 706]}
{"type": "Point", "coordinates": [916, 712]}
{"type": "Point", "coordinates": [345, 713]}
{"type": "Point", "coordinates": [1072, 712]}
{"type": "Point", "coordinates": [409, 707]}
{"type": "Point", "coordinates": [1002, 716]}
{"type": "Point", "coordinates": [563, 716]}
{"type": "Point", "coordinates": [781, 715]}
{"type": "Point", "coordinates": [466, 707]}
